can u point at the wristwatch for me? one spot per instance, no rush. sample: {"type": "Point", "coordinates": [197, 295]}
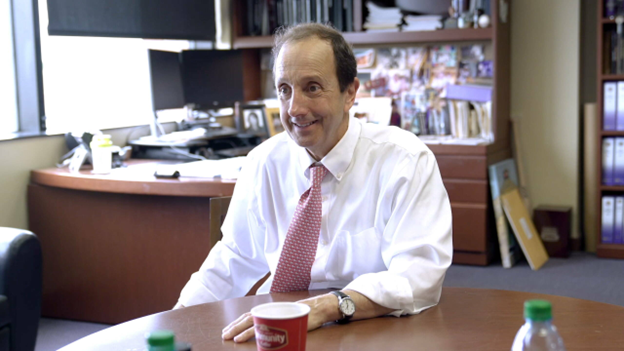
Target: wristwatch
{"type": "Point", "coordinates": [345, 305]}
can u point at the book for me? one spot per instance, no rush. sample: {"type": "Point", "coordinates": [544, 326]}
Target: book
{"type": "Point", "coordinates": [618, 162]}
{"type": "Point", "coordinates": [608, 160]}
{"type": "Point", "coordinates": [608, 219]}
{"type": "Point", "coordinates": [618, 229]}
{"type": "Point", "coordinates": [524, 229]}
{"type": "Point", "coordinates": [610, 105]}
{"type": "Point", "coordinates": [503, 176]}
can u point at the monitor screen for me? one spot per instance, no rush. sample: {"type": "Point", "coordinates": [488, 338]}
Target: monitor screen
{"type": "Point", "coordinates": [166, 80]}
{"type": "Point", "coordinates": [212, 78]}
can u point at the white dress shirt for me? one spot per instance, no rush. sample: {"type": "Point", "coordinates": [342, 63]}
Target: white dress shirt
{"type": "Point", "coordinates": [385, 230]}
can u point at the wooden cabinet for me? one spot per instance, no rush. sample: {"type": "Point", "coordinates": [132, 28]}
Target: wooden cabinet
{"type": "Point", "coordinates": [463, 168]}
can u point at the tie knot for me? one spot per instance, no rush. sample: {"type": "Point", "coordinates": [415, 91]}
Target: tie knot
{"type": "Point", "coordinates": [318, 173]}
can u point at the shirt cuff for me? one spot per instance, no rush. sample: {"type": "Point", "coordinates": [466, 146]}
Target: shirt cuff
{"type": "Point", "coordinates": [387, 290]}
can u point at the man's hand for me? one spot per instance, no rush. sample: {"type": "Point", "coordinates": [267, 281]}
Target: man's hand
{"type": "Point", "coordinates": [323, 309]}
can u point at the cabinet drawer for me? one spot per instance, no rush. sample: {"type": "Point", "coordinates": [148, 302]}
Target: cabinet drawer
{"type": "Point", "coordinates": [467, 191]}
{"type": "Point", "coordinates": [469, 227]}
{"type": "Point", "coordinates": [463, 167]}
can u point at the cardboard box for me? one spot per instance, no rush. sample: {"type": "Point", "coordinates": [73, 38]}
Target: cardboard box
{"type": "Point", "coordinates": [523, 228]}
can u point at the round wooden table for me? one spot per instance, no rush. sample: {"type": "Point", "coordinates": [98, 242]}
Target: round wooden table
{"type": "Point", "coordinates": [465, 319]}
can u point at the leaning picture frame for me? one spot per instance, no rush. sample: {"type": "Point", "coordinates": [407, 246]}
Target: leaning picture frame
{"type": "Point", "coordinates": [253, 120]}
{"type": "Point", "coordinates": [273, 120]}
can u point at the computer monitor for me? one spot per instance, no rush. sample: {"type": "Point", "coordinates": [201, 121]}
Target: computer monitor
{"type": "Point", "coordinates": [166, 80]}
{"type": "Point", "coordinates": [212, 78]}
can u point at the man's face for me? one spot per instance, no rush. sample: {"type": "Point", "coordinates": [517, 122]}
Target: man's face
{"type": "Point", "coordinates": [313, 110]}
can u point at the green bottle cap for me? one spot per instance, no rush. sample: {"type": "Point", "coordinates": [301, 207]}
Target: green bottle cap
{"type": "Point", "coordinates": [161, 338]}
{"type": "Point", "coordinates": [537, 310]}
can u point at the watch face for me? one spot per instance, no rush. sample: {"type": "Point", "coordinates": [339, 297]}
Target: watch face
{"type": "Point", "coordinates": [347, 307]}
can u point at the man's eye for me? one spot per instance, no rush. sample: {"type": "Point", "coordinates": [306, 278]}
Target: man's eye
{"type": "Point", "coordinates": [284, 91]}
{"type": "Point", "coordinates": [314, 88]}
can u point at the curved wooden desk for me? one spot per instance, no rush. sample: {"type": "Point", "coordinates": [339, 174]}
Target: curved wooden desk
{"type": "Point", "coordinates": [119, 246]}
{"type": "Point", "coordinates": [137, 178]}
{"type": "Point", "coordinates": [466, 319]}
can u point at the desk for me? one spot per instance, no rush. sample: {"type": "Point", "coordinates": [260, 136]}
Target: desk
{"type": "Point", "coordinates": [119, 246]}
{"type": "Point", "coordinates": [466, 319]}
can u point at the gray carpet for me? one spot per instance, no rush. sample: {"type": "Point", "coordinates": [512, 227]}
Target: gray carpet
{"type": "Point", "coordinates": [56, 333]}
{"type": "Point", "coordinates": [581, 276]}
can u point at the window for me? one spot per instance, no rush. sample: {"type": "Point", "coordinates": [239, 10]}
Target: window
{"type": "Point", "coordinates": [94, 83]}
{"type": "Point", "coordinates": [8, 97]}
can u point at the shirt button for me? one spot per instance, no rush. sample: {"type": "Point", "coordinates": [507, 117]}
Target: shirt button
{"type": "Point", "coordinates": [339, 175]}
{"type": "Point", "coordinates": [324, 198]}
{"type": "Point", "coordinates": [323, 242]}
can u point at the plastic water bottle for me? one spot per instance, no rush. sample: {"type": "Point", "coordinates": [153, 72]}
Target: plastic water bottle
{"type": "Point", "coordinates": [161, 340]}
{"type": "Point", "coordinates": [164, 340]}
{"type": "Point", "coordinates": [538, 333]}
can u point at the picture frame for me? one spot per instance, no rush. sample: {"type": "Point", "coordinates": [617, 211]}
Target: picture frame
{"type": "Point", "coordinates": [274, 121]}
{"type": "Point", "coordinates": [253, 120]}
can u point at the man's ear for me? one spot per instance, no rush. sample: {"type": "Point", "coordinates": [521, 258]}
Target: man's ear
{"type": "Point", "coordinates": [350, 92]}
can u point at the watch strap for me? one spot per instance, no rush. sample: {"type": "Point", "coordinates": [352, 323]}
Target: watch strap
{"type": "Point", "coordinates": [339, 294]}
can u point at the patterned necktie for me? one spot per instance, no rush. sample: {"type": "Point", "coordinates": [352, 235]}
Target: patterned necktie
{"type": "Point", "coordinates": [295, 262]}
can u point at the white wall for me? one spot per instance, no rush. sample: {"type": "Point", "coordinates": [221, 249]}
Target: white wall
{"type": "Point", "coordinates": [545, 97]}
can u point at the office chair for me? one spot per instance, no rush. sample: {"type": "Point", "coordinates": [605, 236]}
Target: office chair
{"type": "Point", "coordinates": [20, 289]}
{"type": "Point", "coordinates": [218, 210]}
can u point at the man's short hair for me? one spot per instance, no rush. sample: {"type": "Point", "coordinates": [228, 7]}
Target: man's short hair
{"type": "Point", "coordinates": [346, 66]}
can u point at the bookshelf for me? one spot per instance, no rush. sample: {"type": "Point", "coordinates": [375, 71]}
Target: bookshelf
{"type": "Point", "coordinates": [605, 250]}
{"type": "Point", "coordinates": [463, 168]}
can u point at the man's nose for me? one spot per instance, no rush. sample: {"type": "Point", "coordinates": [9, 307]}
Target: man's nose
{"type": "Point", "coordinates": [298, 104]}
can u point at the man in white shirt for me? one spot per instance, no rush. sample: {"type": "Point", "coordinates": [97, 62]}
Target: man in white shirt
{"type": "Point", "coordinates": [381, 218]}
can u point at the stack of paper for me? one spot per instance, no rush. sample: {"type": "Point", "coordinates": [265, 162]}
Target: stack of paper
{"type": "Point", "coordinates": [420, 23]}
{"type": "Point", "coordinates": [382, 19]}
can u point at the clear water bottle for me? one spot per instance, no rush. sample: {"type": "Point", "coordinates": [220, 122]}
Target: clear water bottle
{"type": "Point", "coordinates": [164, 340]}
{"type": "Point", "coordinates": [161, 340]}
{"type": "Point", "coordinates": [538, 333]}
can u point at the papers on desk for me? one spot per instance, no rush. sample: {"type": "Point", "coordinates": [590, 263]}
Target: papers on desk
{"type": "Point", "coordinates": [228, 168]}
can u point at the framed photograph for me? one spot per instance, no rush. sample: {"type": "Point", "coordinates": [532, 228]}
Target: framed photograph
{"type": "Point", "coordinates": [274, 121]}
{"type": "Point", "coordinates": [253, 120]}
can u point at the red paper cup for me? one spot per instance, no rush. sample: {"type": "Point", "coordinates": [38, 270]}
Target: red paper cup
{"type": "Point", "coordinates": [281, 326]}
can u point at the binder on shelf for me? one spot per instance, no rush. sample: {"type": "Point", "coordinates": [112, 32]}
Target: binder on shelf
{"type": "Point", "coordinates": [608, 161]}
{"type": "Point", "coordinates": [619, 125]}
{"type": "Point", "coordinates": [618, 230]}
{"type": "Point", "coordinates": [610, 106]}
{"type": "Point", "coordinates": [618, 168]}
{"type": "Point", "coordinates": [608, 219]}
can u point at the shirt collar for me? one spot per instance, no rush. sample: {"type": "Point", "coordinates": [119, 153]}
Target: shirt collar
{"type": "Point", "coordinates": [339, 158]}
